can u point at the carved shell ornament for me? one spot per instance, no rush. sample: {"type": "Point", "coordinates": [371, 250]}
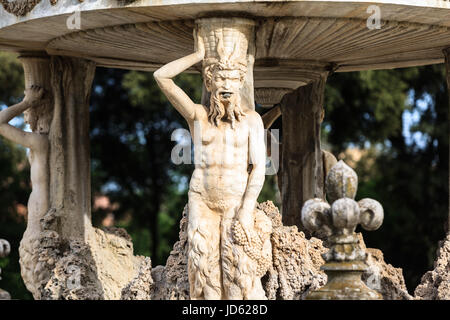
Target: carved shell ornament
{"type": "Point", "coordinates": [339, 220]}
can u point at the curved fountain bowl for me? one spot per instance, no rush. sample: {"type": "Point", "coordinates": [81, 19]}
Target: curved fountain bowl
{"type": "Point", "coordinates": [295, 40]}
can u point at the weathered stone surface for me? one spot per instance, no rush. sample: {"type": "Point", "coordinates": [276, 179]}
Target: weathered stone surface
{"type": "Point", "coordinates": [383, 277]}
{"type": "Point", "coordinates": [74, 276]}
{"type": "Point", "coordinates": [4, 295]}
{"type": "Point", "coordinates": [99, 269]}
{"type": "Point", "coordinates": [19, 7]}
{"type": "Point", "coordinates": [76, 270]}
{"type": "Point", "coordinates": [295, 269]}
{"type": "Point", "coordinates": [290, 276]}
{"type": "Point", "coordinates": [435, 284]}
{"type": "Point", "coordinates": [171, 281]}
{"type": "Point", "coordinates": [140, 287]}
{"type": "Point", "coordinates": [296, 260]}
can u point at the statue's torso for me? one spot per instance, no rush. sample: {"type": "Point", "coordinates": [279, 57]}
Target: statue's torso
{"type": "Point", "coordinates": [221, 159]}
{"type": "Point", "coordinates": [38, 202]}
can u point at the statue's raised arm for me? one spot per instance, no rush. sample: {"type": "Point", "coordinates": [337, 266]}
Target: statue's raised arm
{"type": "Point", "coordinates": [177, 97]}
{"type": "Point", "coordinates": [27, 139]}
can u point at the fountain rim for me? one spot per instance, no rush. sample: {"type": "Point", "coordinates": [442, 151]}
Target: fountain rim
{"type": "Point", "coordinates": [45, 14]}
{"type": "Point", "coordinates": [44, 9]}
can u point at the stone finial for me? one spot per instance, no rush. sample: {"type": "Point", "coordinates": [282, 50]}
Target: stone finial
{"type": "Point", "coordinates": [341, 218]}
{"type": "Point", "coordinates": [345, 259]}
{"type": "Point", "coordinates": [341, 182]}
{"type": "Point", "coordinates": [5, 249]}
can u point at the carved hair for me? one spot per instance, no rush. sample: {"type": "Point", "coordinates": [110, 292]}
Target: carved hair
{"type": "Point", "coordinates": [40, 117]}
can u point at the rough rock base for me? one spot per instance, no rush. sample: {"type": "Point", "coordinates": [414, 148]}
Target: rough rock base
{"type": "Point", "coordinates": [435, 285]}
{"type": "Point", "coordinates": [295, 270]}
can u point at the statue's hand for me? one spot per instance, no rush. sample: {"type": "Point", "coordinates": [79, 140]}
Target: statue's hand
{"type": "Point", "coordinates": [199, 45]}
{"type": "Point", "coordinates": [247, 221]}
{"type": "Point", "coordinates": [33, 94]}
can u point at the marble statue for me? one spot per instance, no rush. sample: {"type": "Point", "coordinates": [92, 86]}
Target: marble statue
{"type": "Point", "coordinates": [225, 258]}
{"type": "Point", "coordinates": [39, 119]}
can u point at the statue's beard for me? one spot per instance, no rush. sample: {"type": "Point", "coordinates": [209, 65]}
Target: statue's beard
{"type": "Point", "coordinates": [218, 110]}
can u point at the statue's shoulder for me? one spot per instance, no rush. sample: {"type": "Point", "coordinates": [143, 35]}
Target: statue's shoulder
{"type": "Point", "coordinates": [201, 112]}
{"type": "Point", "coordinates": [254, 118]}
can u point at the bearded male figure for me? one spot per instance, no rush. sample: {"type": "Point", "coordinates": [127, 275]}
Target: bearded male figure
{"type": "Point", "coordinates": [229, 166]}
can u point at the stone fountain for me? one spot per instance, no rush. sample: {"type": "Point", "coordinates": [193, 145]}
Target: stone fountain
{"type": "Point", "coordinates": [292, 48]}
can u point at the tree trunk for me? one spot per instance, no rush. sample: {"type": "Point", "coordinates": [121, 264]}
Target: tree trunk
{"type": "Point", "coordinates": [70, 183]}
{"type": "Point", "coordinates": [302, 161]}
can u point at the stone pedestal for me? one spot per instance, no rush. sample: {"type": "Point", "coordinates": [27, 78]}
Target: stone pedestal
{"type": "Point", "coordinates": [344, 283]}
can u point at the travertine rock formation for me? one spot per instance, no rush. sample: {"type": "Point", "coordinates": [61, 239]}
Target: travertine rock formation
{"type": "Point", "coordinates": [435, 284]}
{"type": "Point", "coordinates": [74, 277]}
{"type": "Point", "coordinates": [296, 260]}
{"type": "Point", "coordinates": [76, 270]}
{"type": "Point", "coordinates": [171, 281]}
{"type": "Point", "coordinates": [140, 288]}
{"type": "Point", "coordinates": [295, 268]}
{"type": "Point", "coordinates": [19, 7]}
{"type": "Point", "coordinates": [383, 277]}
{"type": "Point", "coordinates": [98, 270]}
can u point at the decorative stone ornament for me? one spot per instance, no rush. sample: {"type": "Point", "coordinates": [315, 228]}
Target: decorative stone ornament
{"type": "Point", "coordinates": [5, 249]}
{"type": "Point", "coordinates": [345, 261]}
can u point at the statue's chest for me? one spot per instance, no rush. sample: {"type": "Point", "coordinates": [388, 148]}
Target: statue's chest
{"type": "Point", "coordinates": [224, 136]}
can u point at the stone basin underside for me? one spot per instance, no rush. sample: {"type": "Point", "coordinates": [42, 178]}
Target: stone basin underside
{"type": "Point", "coordinates": [281, 43]}
{"type": "Point", "coordinates": [295, 40]}
{"type": "Point", "coordinates": [290, 34]}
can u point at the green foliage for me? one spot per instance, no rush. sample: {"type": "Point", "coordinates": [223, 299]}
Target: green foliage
{"type": "Point", "coordinates": [11, 79]}
{"type": "Point", "coordinates": [364, 106]}
{"type": "Point", "coordinates": [270, 191]}
{"type": "Point", "coordinates": [409, 178]}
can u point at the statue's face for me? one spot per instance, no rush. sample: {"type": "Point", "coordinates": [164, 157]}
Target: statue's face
{"type": "Point", "coordinates": [226, 84]}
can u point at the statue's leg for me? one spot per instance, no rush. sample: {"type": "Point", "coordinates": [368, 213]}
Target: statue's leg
{"type": "Point", "coordinates": [234, 260]}
{"type": "Point", "coordinates": [204, 254]}
{"type": "Point", "coordinates": [240, 270]}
